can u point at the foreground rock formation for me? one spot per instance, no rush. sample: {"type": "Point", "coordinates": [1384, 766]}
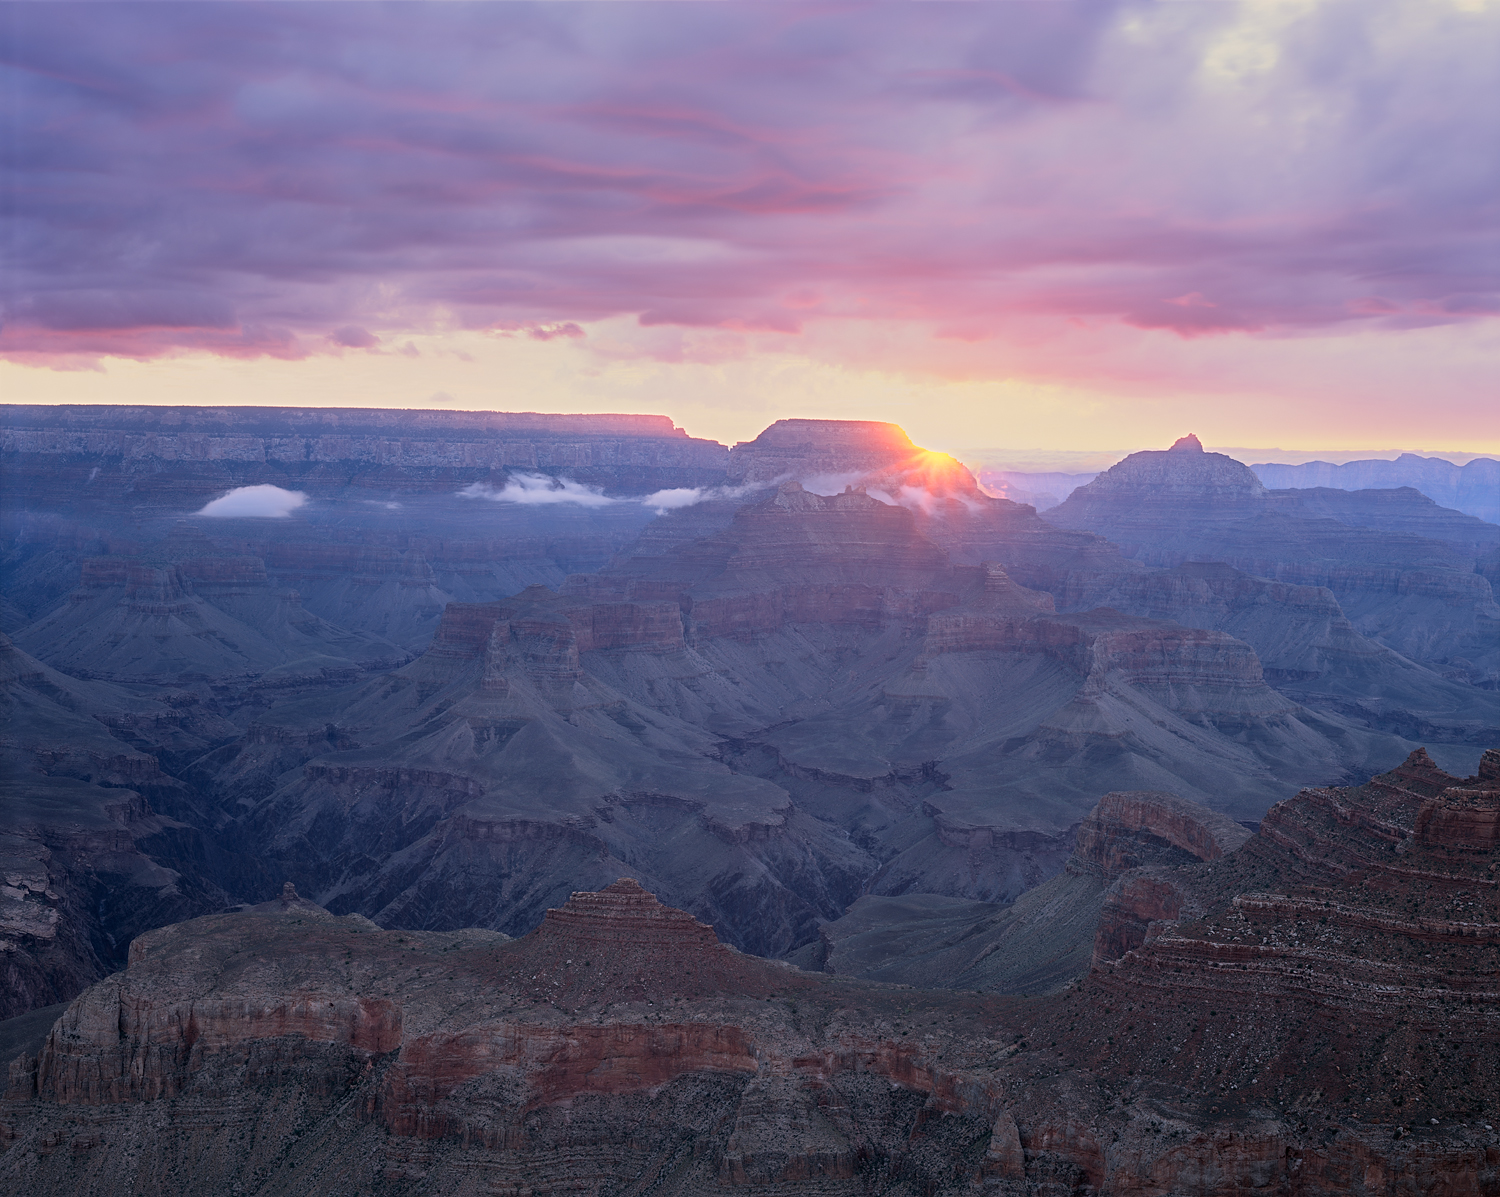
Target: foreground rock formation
{"type": "Point", "coordinates": [1311, 1013]}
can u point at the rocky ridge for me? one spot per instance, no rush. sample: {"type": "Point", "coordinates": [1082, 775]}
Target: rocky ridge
{"type": "Point", "coordinates": [1248, 1043]}
{"type": "Point", "coordinates": [1473, 488]}
{"type": "Point", "coordinates": [1420, 593]}
{"type": "Point", "coordinates": [174, 455]}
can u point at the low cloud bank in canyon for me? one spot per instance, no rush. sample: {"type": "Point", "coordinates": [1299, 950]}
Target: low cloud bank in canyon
{"type": "Point", "coordinates": [255, 502]}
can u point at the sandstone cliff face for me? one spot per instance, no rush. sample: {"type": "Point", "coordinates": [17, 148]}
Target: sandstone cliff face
{"type": "Point", "coordinates": [1249, 1049]}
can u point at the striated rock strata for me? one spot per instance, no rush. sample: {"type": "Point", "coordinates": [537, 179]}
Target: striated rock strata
{"type": "Point", "coordinates": [1403, 571]}
{"type": "Point", "coordinates": [91, 454]}
{"type": "Point", "coordinates": [1319, 1024]}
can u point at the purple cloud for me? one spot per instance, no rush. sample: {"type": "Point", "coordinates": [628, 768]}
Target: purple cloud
{"type": "Point", "coordinates": [244, 179]}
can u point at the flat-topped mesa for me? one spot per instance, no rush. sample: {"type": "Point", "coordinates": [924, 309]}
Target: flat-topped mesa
{"type": "Point", "coordinates": [809, 448]}
{"type": "Point", "coordinates": [177, 458]}
{"type": "Point", "coordinates": [303, 421]}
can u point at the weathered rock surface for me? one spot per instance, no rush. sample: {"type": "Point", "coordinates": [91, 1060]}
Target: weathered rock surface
{"type": "Point", "coordinates": [90, 853]}
{"type": "Point", "coordinates": [810, 703]}
{"type": "Point", "coordinates": [1256, 1046]}
{"type": "Point", "coordinates": [774, 701]}
{"type": "Point", "coordinates": [213, 620]}
{"type": "Point", "coordinates": [1418, 594]}
{"type": "Point", "coordinates": [1046, 939]}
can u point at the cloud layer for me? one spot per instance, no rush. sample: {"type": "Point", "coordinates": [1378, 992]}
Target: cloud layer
{"type": "Point", "coordinates": [287, 180]}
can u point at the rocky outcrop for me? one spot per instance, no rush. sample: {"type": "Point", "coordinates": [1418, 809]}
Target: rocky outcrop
{"type": "Point", "coordinates": [1128, 830]}
{"type": "Point", "coordinates": [803, 450]}
{"type": "Point", "coordinates": [1249, 1048]}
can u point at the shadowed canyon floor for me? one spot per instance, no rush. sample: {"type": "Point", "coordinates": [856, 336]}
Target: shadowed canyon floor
{"type": "Point", "coordinates": [1314, 1011]}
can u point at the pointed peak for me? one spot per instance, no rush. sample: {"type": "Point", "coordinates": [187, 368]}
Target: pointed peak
{"type": "Point", "coordinates": [1187, 444]}
{"type": "Point", "coordinates": [627, 885]}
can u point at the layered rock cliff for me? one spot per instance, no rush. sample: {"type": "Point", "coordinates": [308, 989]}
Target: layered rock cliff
{"type": "Point", "coordinates": [1417, 594]}
{"type": "Point", "coordinates": [1251, 1047]}
{"type": "Point", "coordinates": [65, 456]}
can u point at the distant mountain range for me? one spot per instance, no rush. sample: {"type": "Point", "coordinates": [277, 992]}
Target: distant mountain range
{"type": "Point", "coordinates": [1473, 488]}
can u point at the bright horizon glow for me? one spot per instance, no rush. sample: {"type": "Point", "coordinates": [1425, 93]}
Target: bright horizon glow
{"type": "Point", "coordinates": [1048, 228]}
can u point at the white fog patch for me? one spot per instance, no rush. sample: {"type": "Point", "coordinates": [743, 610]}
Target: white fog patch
{"type": "Point", "coordinates": [919, 498]}
{"type": "Point", "coordinates": [255, 502]}
{"type": "Point", "coordinates": [537, 490]}
{"type": "Point", "coordinates": [663, 501]}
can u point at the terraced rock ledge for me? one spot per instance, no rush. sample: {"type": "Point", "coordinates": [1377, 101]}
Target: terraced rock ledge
{"type": "Point", "coordinates": [1314, 1012]}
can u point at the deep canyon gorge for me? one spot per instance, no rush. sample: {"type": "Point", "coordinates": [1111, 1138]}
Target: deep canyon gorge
{"type": "Point", "coordinates": [1144, 845]}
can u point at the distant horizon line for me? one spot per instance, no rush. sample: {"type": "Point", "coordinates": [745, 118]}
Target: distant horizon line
{"type": "Point", "coordinates": [1014, 459]}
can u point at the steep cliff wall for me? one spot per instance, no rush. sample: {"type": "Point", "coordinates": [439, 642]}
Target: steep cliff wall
{"type": "Point", "coordinates": [1249, 1050]}
{"type": "Point", "coordinates": [62, 456]}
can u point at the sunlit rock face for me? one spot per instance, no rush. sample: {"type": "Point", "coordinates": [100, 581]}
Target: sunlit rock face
{"type": "Point", "coordinates": [1247, 1040]}
{"type": "Point", "coordinates": [806, 449]}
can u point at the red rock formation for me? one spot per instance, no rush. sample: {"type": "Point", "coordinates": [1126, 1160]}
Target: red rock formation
{"type": "Point", "coordinates": [1110, 840]}
{"type": "Point", "coordinates": [1233, 1052]}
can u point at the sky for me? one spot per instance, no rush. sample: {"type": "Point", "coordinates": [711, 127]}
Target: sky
{"type": "Point", "coordinates": [1033, 227]}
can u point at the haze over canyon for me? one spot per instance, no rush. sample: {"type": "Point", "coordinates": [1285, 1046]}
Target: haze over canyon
{"type": "Point", "coordinates": [439, 801]}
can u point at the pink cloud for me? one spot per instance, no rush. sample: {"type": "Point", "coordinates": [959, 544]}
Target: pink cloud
{"type": "Point", "coordinates": [242, 180]}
